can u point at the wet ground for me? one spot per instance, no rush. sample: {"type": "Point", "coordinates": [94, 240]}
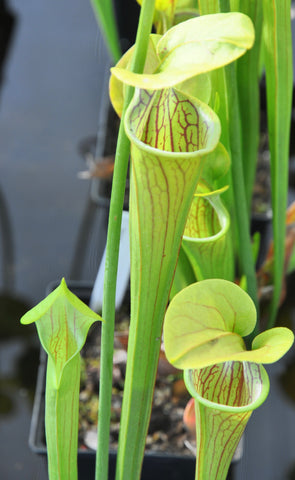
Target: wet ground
{"type": "Point", "coordinates": [50, 100]}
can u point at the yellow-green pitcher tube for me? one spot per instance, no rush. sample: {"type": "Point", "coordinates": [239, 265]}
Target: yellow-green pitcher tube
{"type": "Point", "coordinates": [166, 163]}
{"type": "Point", "coordinates": [62, 321]}
{"type": "Point", "coordinates": [207, 240]}
{"type": "Point", "coordinates": [62, 435]}
{"type": "Point", "coordinates": [225, 396]}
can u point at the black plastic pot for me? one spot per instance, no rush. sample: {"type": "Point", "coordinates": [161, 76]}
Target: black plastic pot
{"type": "Point", "coordinates": [156, 466]}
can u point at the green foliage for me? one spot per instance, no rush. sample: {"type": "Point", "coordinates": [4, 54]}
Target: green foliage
{"type": "Point", "coordinates": [172, 134]}
{"type": "Point", "coordinates": [62, 322]}
{"type": "Point", "coordinates": [168, 13]}
{"type": "Point", "coordinates": [166, 166]}
{"type": "Point", "coordinates": [182, 63]}
{"type": "Point", "coordinates": [225, 396]}
{"type": "Point", "coordinates": [205, 324]}
{"type": "Point", "coordinates": [279, 82]}
{"type": "Point", "coordinates": [104, 13]}
{"type": "Point", "coordinates": [196, 86]}
{"type": "Point", "coordinates": [206, 238]}
{"type": "Point", "coordinates": [112, 249]}
{"type": "Point", "coordinates": [193, 47]}
{"type": "Point", "coordinates": [203, 334]}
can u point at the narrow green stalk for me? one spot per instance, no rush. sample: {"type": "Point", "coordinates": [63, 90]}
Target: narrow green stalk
{"type": "Point", "coordinates": [249, 98]}
{"type": "Point", "coordinates": [112, 251]}
{"type": "Point", "coordinates": [218, 80]}
{"type": "Point", "coordinates": [104, 13]}
{"type": "Point", "coordinates": [238, 183]}
{"type": "Point", "coordinates": [224, 6]}
{"type": "Point", "coordinates": [208, 6]}
{"type": "Point", "coordinates": [279, 84]}
{"type": "Point", "coordinates": [108, 310]}
{"type": "Point", "coordinates": [243, 230]}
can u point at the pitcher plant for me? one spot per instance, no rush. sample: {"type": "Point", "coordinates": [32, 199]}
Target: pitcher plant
{"type": "Point", "coordinates": [188, 98]}
{"type": "Point", "coordinates": [203, 334]}
{"type": "Point", "coordinates": [171, 134]}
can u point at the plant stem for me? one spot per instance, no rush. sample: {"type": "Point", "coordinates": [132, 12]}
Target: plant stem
{"type": "Point", "coordinates": [104, 13]}
{"type": "Point", "coordinates": [243, 230]}
{"type": "Point", "coordinates": [224, 6]}
{"type": "Point", "coordinates": [249, 98]}
{"type": "Point", "coordinates": [239, 191]}
{"type": "Point", "coordinates": [279, 85]}
{"type": "Point", "coordinates": [112, 251]}
{"type": "Point", "coordinates": [208, 6]}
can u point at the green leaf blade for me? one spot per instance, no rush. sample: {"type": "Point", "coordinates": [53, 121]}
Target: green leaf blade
{"type": "Point", "coordinates": [205, 323]}
{"type": "Point", "coordinates": [105, 16]}
{"type": "Point", "coordinates": [214, 41]}
{"type": "Point", "coordinates": [279, 83]}
{"type": "Point", "coordinates": [208, 315]}
{"type": "Point", "coordinates": [270, 345]}
{"type": "Point", "coordinates": [249, 97]}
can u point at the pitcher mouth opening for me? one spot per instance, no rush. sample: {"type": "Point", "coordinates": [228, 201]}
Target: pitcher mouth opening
{"type": "Point", "coordinates": [231, 386]}
{"type": "Point", "coordinates": [203, 124]}
{"type": "Point", "coordinates": [221, 227]}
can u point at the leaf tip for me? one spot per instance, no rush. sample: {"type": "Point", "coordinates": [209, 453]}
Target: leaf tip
{"type": "Point", "coordinates": [26, 319]}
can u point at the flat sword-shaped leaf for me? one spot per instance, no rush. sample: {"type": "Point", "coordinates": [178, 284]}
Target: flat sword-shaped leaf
{"type": "Point", "coordinates": [279, 83]}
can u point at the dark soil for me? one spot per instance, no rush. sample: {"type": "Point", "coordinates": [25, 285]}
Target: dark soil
{"type": "Point", "coordinates": [167, 432]}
